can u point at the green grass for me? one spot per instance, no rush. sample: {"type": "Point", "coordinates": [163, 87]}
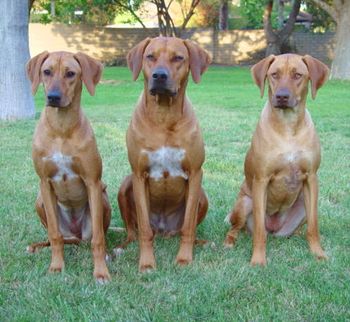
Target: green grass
{"type": "Point", "coordinates": [220, 285]}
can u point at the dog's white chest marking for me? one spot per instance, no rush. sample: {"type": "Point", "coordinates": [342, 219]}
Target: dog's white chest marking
{"type": "Point", "coordinates": [294, 156]}
{"type": "Point", "coordinates": [165, 162]}
{"type": "Point", "coordinates": [291, 157]}
{"type": "Point", "coordinates": [64, 166]}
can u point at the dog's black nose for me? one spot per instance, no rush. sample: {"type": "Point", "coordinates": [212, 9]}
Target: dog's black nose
{"type": "Point", "coordinates": [160, 75]}
{"type": "Point", "coordinates": [282, 96]}
{"type": "Point", "coordinates": [54, 98]}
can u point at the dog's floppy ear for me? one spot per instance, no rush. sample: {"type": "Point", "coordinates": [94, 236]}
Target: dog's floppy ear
{"type": "Point", "coordinates": [134, 57]}
{"type": "Point", "coordinates": [318, 73]}
{"type": "Point", "coordinates": [33, 69]}
{"type": "Point", "coordinates": [259, 72]}
{"type": "Point", "coordinates": [199, 60]}
{"type": "Point", "coordinates": [91, 71]}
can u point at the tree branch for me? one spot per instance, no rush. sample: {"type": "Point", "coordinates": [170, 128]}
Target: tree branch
{"type": "Point", "coordinates": [267, 21]}
{"type": "Point", "coordinates": [288, 28]}
{"type": "Point", "coordinates": [190, 13]}
{"type": "Point", "coordinates": [129, 8]}
{"type": "Point", "coordinates": [329, 9]}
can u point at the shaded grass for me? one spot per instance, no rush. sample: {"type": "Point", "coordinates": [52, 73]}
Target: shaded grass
{"type": "Point", "coordinates": [220, 285]}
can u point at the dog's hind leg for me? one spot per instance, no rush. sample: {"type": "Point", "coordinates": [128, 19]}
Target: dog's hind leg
{"type": "Point", "coordinates": [128, 211]}
{"type": "Point", "coordinates": [238, 216]}
{"type": "Point", "coordinates": [202, 212]}
{"type": "Point", "coordinates": [33, 248]}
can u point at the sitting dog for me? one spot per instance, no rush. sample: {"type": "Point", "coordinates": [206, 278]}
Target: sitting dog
{"type": "Point", "coordinates": [280, 190]}
{"type": "Point", "coordinates": [72, 203]}
{"type": "Point", "coordinates": [163, 195]}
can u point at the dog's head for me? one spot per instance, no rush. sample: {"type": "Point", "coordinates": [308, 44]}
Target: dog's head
{"type": "Point", "coordinates": [288, 77]}
{"type": "Point", "coordinates": [166, 62]}
{"type": "Point", "coordinates": [62, 74]}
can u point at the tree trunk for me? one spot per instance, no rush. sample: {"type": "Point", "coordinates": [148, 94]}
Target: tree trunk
{"type": "Point", "coordinates": [53, 8]}
{"type": "Point", "coordinates": [223, 15]}
{"type": "Point", "coordinates": [165, 23]}
{"type": "Point", "coordinates": [280, 14]}
{"type": "Point", "coordinates": [341, 63]}
{"type": "Point", "coordinates": [16, 101]}
{"type": "Point", "coordinates": [278, 40]}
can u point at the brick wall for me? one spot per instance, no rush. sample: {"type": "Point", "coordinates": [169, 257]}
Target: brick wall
{"type": "Point", "coordinates": [321, 46]}
{"type": "Point", "coordinates": [112, 44]}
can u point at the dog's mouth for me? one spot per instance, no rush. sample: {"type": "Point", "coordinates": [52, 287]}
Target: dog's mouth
{"type": "Point", "coordinates": [58, 105]}
{"type": "Point", "coordinates": [55, 105]}
{"type": "Point", "coordinates": [283, 107]}
{"type": "Point", "coordinates": [161, 90]}
{"type": "Point", "coordinates": [286, 105]}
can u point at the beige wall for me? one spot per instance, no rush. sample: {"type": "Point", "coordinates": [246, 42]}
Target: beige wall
{"type": "Point", "coordinates": [112, 44]}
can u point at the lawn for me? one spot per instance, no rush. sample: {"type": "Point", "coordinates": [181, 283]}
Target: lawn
{"type": "Point", "coordinates": [220, 285]}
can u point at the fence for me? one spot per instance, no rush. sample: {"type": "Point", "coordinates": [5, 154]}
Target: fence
{"type": "Point", "coordinates": [231, 47]}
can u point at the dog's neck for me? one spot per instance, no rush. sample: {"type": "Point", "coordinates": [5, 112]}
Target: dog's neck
{"type": "Point", "coordinates": [287, 121]}
{"type": "Point", "coordinates": [63, 120]}
{"type": "Point", "coordinates": [163, 110]}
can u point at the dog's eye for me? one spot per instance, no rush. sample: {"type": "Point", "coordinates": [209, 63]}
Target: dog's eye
{"type": "Point", "coordinates": [274, 75]}
{"type": "Point", "coordinates": [70, 74]}
{"type": "Point", "coordinates": [150, 57]}
{"type": "Point", "coordinates": [47, 72]}
{"type": "Point", "coordinates": [297, 76]}
{"type": "Point", "coordinates": [178, 58]}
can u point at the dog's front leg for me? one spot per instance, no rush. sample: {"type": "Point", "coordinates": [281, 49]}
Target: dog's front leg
{"type": "Point", "coordinates": [259, 195]}
{"type": "Point", "coordinates": [94, 189]}
{"type": "Point", "coordinates": [147, 260]}
{"type": "Point", "coordinates": [188, 230]}
{"type": "Point", "coordinates": [55, 237]}
{"type": "Point", "coordinates": [310, 196]}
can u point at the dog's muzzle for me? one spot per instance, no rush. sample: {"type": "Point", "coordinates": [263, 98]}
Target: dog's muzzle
{"type": "Point", "coordinates": [159, 83]}
{"type": "Point", "coordinates": [282, 99]}
{"type": "Point", "coordinates": [54, 99]}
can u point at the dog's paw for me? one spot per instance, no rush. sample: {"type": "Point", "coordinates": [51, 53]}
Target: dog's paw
{"type": "Point", "coordinates": [258, 260]}
{"type": "Point", "coordinates": [30, 249]}
{"type": "Point", "coordinates": [319, 253]}
{"type": "Point", "coordinates": [147, 261]}
{"type": "Point", "coordinates": [56, 267]}
{"type": "Point", "coordinates": [102, 276]}
{"type": "Point", "coordinates": [229, 241]}
{"type": "Point", "coordinates": [184, 258]}
{"type": "Point", "coordinates": [183, 261]}
{"type": "Point", "coordinates": [147, 267]}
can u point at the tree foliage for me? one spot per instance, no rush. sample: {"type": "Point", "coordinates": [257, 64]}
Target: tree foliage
{"type": "Point", "coordinates": [97, 12]}
{"type": "Point", "coordinates": [253, 11]}
{"type": "Point", "coordinates": [207, 13]}
{"type": "Point", "coordinates": [321, 20]}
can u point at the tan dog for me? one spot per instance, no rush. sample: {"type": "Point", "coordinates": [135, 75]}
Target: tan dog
{"type": "Point", "coordinates": [280, 190]}
{"type": "Point", "coordinates": [165, 149]}
{"type": "Point", "coordinates": [72, 203]}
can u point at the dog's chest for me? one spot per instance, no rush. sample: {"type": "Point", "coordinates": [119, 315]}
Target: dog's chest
{"type": "Point", "coordinates": [166, 162]}
{"type": "Point", "coordinates": [290, 171]}
{"type": "Point", "coordinates": [296, 159]}
{"type": "Point", "coordinates": [63, 166]}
